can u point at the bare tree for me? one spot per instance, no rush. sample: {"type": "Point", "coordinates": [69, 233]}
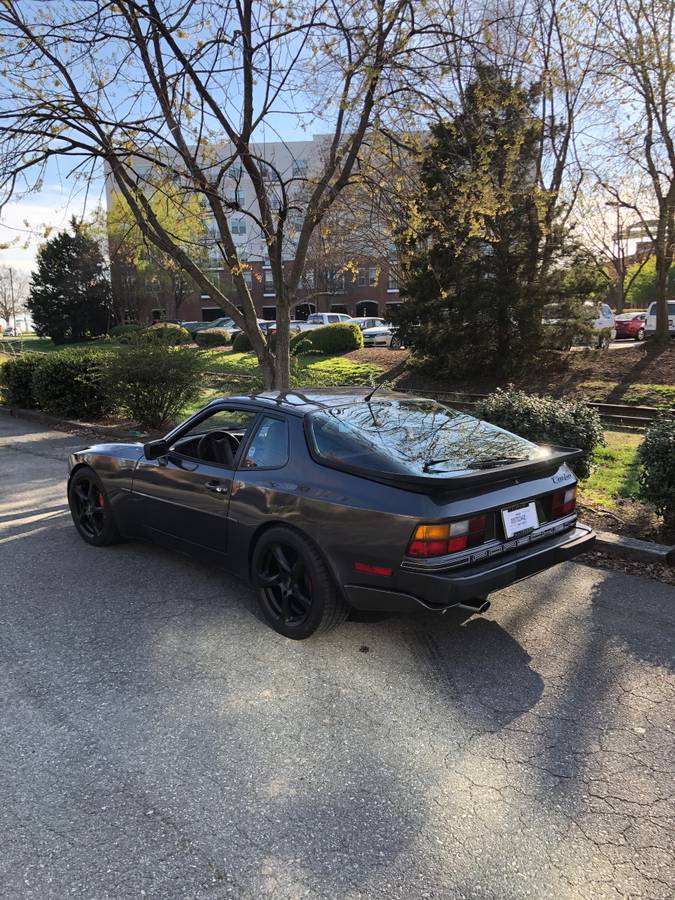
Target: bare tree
{"type": "Point", "coordinates": [606, 218]}
{"type": "Point", "coordinates": [638, 64]}
{"type": "Point", "coordinates": [189, 91]}
{"type": "Point", "coordinates": [13, 293]}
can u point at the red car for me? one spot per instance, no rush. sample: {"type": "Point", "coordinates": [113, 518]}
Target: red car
{"type": "Point", "coordinates": [631, 325]}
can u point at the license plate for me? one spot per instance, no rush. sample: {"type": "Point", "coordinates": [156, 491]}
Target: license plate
{"type": "Point", "coordinates": [520, 520]}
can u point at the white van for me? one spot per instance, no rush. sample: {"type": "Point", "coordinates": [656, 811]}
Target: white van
{"type": "Point", "coordinates": [650, 324]}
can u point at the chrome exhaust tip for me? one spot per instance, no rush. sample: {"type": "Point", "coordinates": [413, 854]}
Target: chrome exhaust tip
{"type": "Point", "coordinates": [478, 606]}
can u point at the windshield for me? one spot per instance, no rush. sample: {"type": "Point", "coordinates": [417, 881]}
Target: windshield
{"type": "Point", "coordinates": [413, 437]}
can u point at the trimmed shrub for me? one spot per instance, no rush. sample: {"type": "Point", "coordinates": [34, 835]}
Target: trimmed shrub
{"type": "Point", "coordinates": [167, 333]}
{"type": "Point", "coordinates": [545, 420]}
{"type": "Point", "coordinates": [212, 337]}
{"type": "Point", "coordinates": [16, 377]}
{"type": "Point", "coordinates": [657, 476]}
{"type": "Point", "coordinates": [338, 338]}
{"type": "Point", "coordinates": [124, 333]}
{"type": "Point", "coordinates": [152, 383]}
{"type": "Point", "coordinates": [241, 343]}
{"type": "Point", "coordinates": [70, 383]}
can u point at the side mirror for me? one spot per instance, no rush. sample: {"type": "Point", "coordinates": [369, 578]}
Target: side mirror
{"type": "Point", "coordinates": [156, 449]}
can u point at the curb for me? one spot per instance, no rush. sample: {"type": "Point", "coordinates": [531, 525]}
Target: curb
{"type": "Point", "coordinates": [117, 432]}
{"type": "Point", "coordinates": [644, 551]}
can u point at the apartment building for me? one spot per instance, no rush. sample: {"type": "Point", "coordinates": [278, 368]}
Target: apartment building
{"type": "Point", "coordinates": [367, 286]}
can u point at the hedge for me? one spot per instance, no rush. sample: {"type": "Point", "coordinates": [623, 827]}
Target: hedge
{"type": "Point", "coordinates": [212, 337]}
{"type": "Point", "coordinates": [657, 476]}
{"type": "Point", "coordinates": [123, 333]}
{"type": "Point", "coordinates": [338, 338]}
{"type": "Point", "coordinates": [167, 333]}
{"type": "Point", "coordinates": [70, 383]}
{"type": "Point", "coordinates": [546, 420]}
{"type": "Point", "coordinates": [16, 377]}
{"type": "Point", "coordinates": [153, 383]}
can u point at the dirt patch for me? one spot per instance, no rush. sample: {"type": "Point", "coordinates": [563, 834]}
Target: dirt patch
{"type": "Point", "coordinates": [655, 571]}
{"type": "Point", "coordinates": [630, 518]}
{"type": "Point", "coordinates": [379, 356]}
{"type": "Point", "coordinates": [641, 364]}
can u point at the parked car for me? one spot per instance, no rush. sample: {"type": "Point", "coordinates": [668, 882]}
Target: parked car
{"type": "Point", "coordinates": [265, 325]}
{"type": "Point", "coordinates": [8, 332]}
{"type": "Point", "coordinates": [564, 331]}
{"type": "Point", "coordinates": [225, 322]}
{"type": "Point", "coordinates": [379, 336]}
{"type": "Point", "coordinates": [316, 320]}
{"type": "Point", "coordinates": [631, 325]}
{"type": "Point", "coordinates": [650, 325]}
{"type": "Point", "coordinates": [368, 322]}
{"type": "Point", "coordinates": [603, 324]}
{"type": "Point", "coordinates": [328, 500]}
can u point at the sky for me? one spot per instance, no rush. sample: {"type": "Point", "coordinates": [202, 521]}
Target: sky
{"type": "Point", "coordinates": [23, 220]}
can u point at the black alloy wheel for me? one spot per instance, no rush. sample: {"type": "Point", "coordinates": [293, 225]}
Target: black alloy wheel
{"type": "Point", "coordinates": [640, 336]}
{"type": "Point", "coordinates": [395, 343]}
{"type": "Point", "coordinates": [296, 592]}
{"type": "Point", "coordinates": [90, 509]}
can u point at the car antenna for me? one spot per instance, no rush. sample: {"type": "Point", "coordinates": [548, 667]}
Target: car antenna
{"type": "Point", "coordinates": [380, 384]}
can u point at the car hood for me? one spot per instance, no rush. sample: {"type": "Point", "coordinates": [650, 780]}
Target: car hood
{"type": "Point", "coordinates": [378, 329]}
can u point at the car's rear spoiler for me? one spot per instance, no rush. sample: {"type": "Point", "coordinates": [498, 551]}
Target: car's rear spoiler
{"type": "Point", "coordinates": [478, 480]}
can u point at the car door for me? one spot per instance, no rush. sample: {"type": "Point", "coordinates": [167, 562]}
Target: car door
{"type": "Point", "coordinates": [183, 498]}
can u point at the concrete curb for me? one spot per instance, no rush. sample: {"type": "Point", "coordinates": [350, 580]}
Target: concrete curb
{"type": "Point", "coordinates": [632, 548]}
{"type": "Point", "coordinates": [110, 432]}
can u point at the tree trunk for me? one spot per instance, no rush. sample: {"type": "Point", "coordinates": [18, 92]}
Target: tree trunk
{"type": "Point", "coordinates": [283, 341]}
{"type": "Point", "coordinates": [663, 262]}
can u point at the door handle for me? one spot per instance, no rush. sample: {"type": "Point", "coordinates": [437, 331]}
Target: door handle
{"type": "Point", "coordinates": [217, 487]}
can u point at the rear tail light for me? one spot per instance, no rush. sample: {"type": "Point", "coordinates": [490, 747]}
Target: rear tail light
{"type": "Point", "coordinates": [564, 503]}
{"type": "Point", "coordinates": [439, 540]}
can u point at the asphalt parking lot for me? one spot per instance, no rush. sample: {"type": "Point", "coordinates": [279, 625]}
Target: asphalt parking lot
{"type": "Point", "coordinates": [157, 740]}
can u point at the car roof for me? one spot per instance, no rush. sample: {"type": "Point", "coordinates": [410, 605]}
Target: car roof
{"type": "Point", "coordinates": [301, 403]}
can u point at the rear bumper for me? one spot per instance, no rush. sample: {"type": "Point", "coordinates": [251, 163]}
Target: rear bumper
{"type": "Point", "coordinates": [442, 590]}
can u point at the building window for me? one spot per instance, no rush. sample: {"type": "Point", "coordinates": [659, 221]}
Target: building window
{"type": "Point", "coordinates": [248, 278]}
{"type": "Point", "coordinates": [373, 276]}
{"type": "Point", "coordinates": [308, 278]}
{"type": "Point", "coordinates": [268, 283]}
{"type": "Point", "coordinates": [275, 202]}
{"type": "Point", "coordinates": [236, 171]}
{"type": "Point", "coordinates": [158, 315]}
{"type": "Point", "coordinates": [269, 313]}
{"type": "Point", "coordinates": [211, 313]}
{"type": "Point", "coordinates": [339, 308]}
{"type": "Point", "coordinates": [238, 197]}
{"type": "Point", "coordinates": [238, 226]}
{"type": "Point", "coordinates": [363, 277]}
{"type": "Point", "coordinates": [393, 281]}
{"type": "Point", "coordinates": [299, 168]}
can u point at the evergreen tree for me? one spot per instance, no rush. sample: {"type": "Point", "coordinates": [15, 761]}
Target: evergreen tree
{"type": "Point", "coordinates": [480, 262]}
{"type": "Point", "coordinates": [70, 297]}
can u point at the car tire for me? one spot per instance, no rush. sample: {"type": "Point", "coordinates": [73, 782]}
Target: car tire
{"type": "Point", "coordinates": [90, 509]}
{"type": "Point", "coordinates": [640, 336]}
{"type": "Point", "coordinates": [296, 592]}
{"type": "Point", "coordinates": [603, 342]}
{"type": "Point", "coordinates": [395, 343]}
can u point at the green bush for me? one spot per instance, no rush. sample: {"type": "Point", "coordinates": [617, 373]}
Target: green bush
{"type": "Point", "coordinates": [167, 333]}
{"type": "Point", "coordinates": [125, 333]}
{"type": "Point", "coordinates": [339, 338]}
{"type": "Point", "coordinates": [16, 377]}
{"type": "Point", "coordinates": [241, 343]}
{"type": "Point", "coordinates": [152, 383]}
{"type": "Point", "coordinates": [657, 476]}
{"type": "Point", "coordinates": [70, 383]}
{"type": "Point", "coordinates": [212, 337]}
{"type": "Point", "coordinates": [546, 420]}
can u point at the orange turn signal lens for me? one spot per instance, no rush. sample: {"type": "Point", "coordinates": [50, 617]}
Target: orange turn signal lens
{"type": "Point", "coordinates": [431, 533]}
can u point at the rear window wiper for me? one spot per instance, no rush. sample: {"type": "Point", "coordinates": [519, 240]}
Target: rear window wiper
{"type": "Point", "coordinates": [488, 463]}
{"type": "Point", "coordinates": [494, 461]}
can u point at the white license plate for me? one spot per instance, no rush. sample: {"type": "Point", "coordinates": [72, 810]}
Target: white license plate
{"type": "Point", "coordinates": [520, 520]}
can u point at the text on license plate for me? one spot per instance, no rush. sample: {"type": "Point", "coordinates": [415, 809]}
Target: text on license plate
{"type": "Point", "coordinates": [520, 520]}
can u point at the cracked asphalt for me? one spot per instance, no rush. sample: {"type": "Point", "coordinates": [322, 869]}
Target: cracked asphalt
{"type": "Point", "coordinates": [157, 740]}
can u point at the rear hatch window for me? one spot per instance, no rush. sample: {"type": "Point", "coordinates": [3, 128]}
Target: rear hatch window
{"type": "Point", "coordinates": [419, 438]}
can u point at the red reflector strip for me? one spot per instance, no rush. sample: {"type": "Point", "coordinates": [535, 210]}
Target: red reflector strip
{"type": "Point", "coordinates": [367, 569]}
{"type": "Point", "coordinates": [457, 543]}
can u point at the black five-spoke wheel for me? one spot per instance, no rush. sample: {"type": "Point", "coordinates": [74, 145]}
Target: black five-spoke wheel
{"type": "Point", "coordinates": [296, 592]}
{"type": "Point", "coordinates": [89, 509]}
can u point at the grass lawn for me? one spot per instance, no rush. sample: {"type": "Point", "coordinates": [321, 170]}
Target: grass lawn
{"type": "Point", "coordinates": [46, 345]}
{"type": "Point", "coordinates": [661, 396]}
{"type": "Point", "coordinates": [616, 470]}
{"type": "Point", "coordinates": [312, 371]}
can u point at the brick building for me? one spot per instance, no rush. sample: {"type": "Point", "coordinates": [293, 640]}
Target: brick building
{"type": "Point", "coordinates": [369, 287]}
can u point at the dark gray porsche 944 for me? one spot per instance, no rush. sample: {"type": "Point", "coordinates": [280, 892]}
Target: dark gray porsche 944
{"type": "Point", "coordinates": [330, 500]}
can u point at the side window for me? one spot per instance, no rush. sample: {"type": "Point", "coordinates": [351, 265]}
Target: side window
{"type": "Point", "coordinates": [606, 311]}
{"type": "Point", "coordinates": [652, 310]}
{"type": "Point", "coordinates": [269, 447]}
{"type": "Point", "coordinates": [234, 422]}
{"type": "Point", "coordinates": [332, 319]}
